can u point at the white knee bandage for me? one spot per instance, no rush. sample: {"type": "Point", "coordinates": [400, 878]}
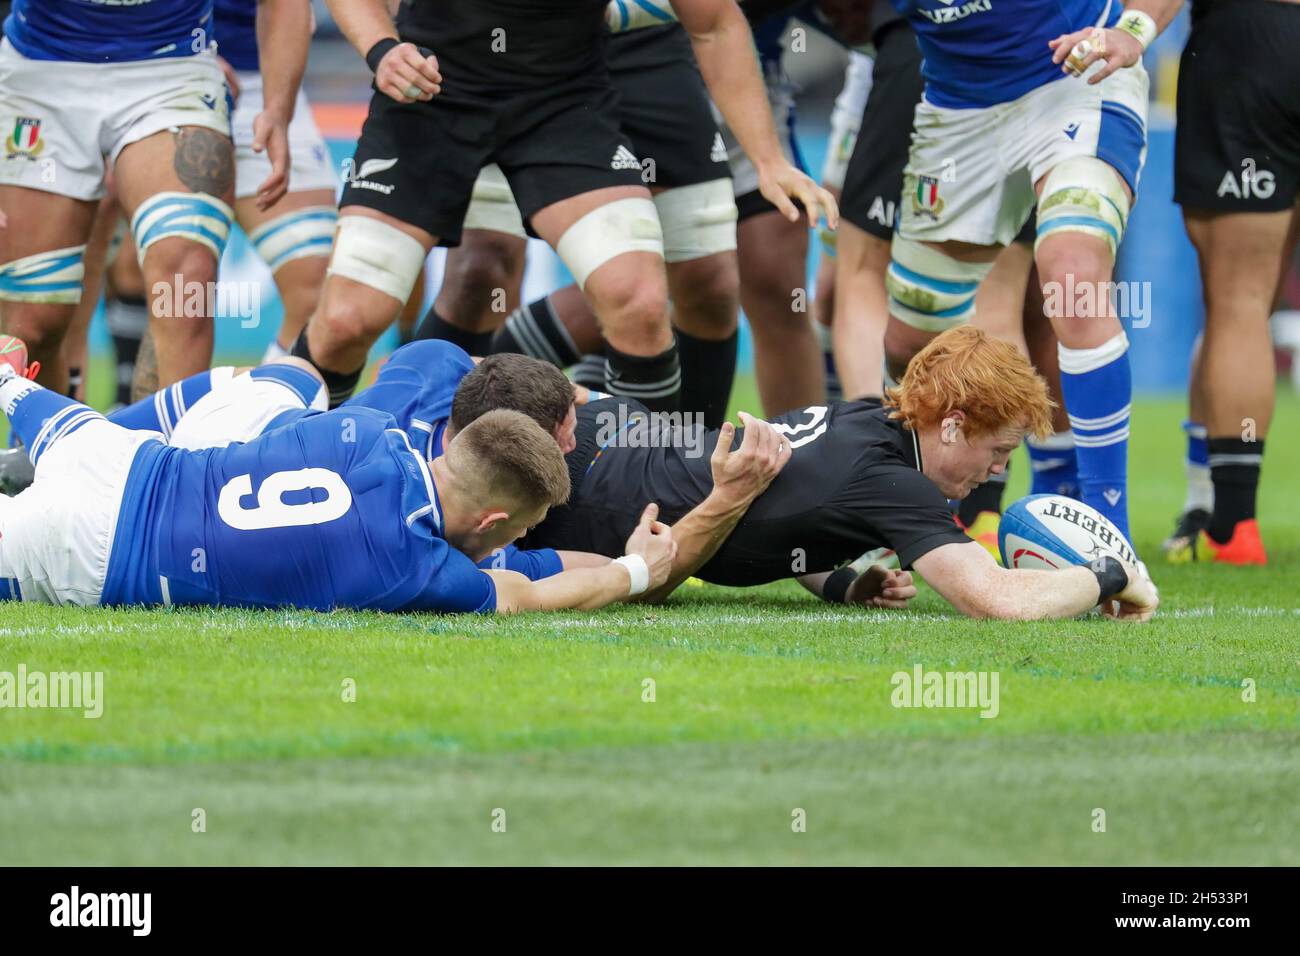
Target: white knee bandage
{"type": "Point", "coordinates": [492, 204]}
{"type": "Point", "coordinates": [295, 235]}
{"type": "Point", "coordinates": [929, 290]}
{"type": "Point", "coordinates": [376, 254]}
{"type": "Point", "coordinates": [625, 225]}
{"type": "Point", "coordinates": [51, 277]}
{"type": "Point", "coordinates": [1083, 195]}
{"type": "Point", "coordinates": [195, 216]}
{"type": "Point", "coordinates": [697, 220]}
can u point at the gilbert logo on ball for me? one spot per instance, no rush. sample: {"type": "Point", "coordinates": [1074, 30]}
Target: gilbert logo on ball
{"type": "Point", "coordinates": [1053, 531]}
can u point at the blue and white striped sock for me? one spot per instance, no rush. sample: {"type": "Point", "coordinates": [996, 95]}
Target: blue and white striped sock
{"type": "Point", "coordinates": [1055, 470]}
{"type": "Point", "coordinates": [39, 417]}
{"type": "Point", "coordinates": [1098, 387]}
{"type": "Point", "coordinates": [1200, 486]}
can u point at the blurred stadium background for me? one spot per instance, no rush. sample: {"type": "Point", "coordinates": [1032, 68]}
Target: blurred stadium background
{"type": "Point", "coordinates": [1156, 249]}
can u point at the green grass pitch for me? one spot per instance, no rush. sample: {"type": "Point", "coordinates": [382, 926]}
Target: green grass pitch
{"type": "Point", "coordinates": [529, 740]}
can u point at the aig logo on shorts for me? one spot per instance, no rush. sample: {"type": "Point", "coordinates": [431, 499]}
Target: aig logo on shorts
{"type": "Point", "coordinates": [925, 197]}
{"type": "Point", "coordinates": [1252, 183]}
{"type": "Point", "coordinates": [25, 140]}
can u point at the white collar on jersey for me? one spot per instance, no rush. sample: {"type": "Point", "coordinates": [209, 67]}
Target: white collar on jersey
{"type": "Point", "coordinates": [425, 427]}
{"type": "Point", "coordinates": [432, 507]}
{"type": "Point", "coordinates": [916, 448]}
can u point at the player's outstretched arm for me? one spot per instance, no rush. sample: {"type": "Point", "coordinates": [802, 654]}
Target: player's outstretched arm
{"type": "Point", "coordinates": [724, 47]}
{"type": "Point", "coordinates": [876, 586]}
{"type": "Point", "coordinates": [646, 562]}
{"type": "Point", "coordinates": [968, 577]}
{"type": "Point", "coordinates": [739, 477]}
{"type": "Point", "coordinates": [283, 36]}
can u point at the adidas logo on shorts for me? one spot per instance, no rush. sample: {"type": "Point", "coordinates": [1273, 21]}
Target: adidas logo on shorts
{"type": "Point", "coordinates": [719, 152]}
{"type": "Point", "coordinates": [623, 159]}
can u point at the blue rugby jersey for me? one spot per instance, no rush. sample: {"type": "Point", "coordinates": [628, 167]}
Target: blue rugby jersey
{"type": "Point", "coordinates": [334, 510]}
{"type": "Point", "coordinates": [983, 52]}
{"type": "Point", "coordinates": [107, 31]}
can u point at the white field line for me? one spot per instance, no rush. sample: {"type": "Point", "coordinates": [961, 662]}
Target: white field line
{"type": "Point", "coordinates": [555, 622]}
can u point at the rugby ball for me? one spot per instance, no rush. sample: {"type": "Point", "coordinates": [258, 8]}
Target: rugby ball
{"type": "Point", "coordinates": [1046, 532]}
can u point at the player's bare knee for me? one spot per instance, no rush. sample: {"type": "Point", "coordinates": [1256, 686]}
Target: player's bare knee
{"type": "Point", "coordinates": [343, 324]}
{"type": "Point", "coordinates": [41, 327]}
{"type": "Point", "coordinates": [178, 261]}
{"type": "Point", "coordinates": [636, 311]}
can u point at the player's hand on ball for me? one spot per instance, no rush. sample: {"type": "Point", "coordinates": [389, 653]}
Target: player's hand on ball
{"type": "Point", "coordinates": [1081, 49]}
{"type": "Point", "coordinates": [881, 587]}
{"type": "Point", "coordinates": [785, 183]}
{"type": "Point", "coordinates": [408, 75]}
{"type": "Point", "coordinates": [1137, 602]}
{"type": "Point", "coordinates": [653, 540]}
{"type": "Point", "coordinates": [744, 474]}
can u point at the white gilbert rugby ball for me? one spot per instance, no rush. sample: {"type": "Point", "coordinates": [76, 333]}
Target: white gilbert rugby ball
{"type": "Point", "coordinates": [1053, 531]}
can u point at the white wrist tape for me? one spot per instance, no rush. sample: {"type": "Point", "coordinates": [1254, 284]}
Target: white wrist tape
{"type": "Point", "coordinates": [638, 569]}
{"type": "Point", "coordinates": [1141, 26]}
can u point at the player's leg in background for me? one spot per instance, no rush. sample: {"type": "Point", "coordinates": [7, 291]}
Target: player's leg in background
{"type": "Point", "coordinates": [76, 344]}
{"type": "Point", "coordinates": [408, 320]}
{"type": "Point", "coordinates": [704, 294]}
{"type": "Point", "coordinates": [1241, 257]}
{"type": "Point", "coordinates": [126, 313]}
{"type": "Point", "coordinates": [1199, 501]}
{"type": "Point", "coordinates": [41, 272]}
{"type": "Point", "coordinates": [480, 289]}
{"type": "Point", "coordinates": [824, 307]}
{"type": "Point", "coordinates": [612, 243]}
{"type": "Point", "coordinates": [482, 278]}
{"type": "Point", "coordinates": [1051, 460]}
{"type": "Point", "coordinates": [177, 187]}
{"type": "Point", "coordinates": [873, 182]}
{"type": "Point", "coordinates": [373, 268]}
{"type": "Point", "coordinates": [774, 294]}
{"type": "Point", "coordinates": [1075, 251]}
{"type": "Point", "coordinates": [293, 238]}
{"type": "Point", "coordinates": [932, 286]}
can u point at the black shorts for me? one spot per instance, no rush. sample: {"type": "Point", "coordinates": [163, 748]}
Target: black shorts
{"type": "Point", "coordinates": [874, 178]}
{"type": "Point", "coordinates": [418, 162]}
{"type": "Point", "coordinates": [1237, 145]}
{"type": "Point", "coordinates": [663, 107]}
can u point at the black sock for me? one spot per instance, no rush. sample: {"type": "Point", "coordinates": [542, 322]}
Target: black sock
{"type": "Point", "coordinates": [435, 326]}
{"type": "Point", "coordinates": [1234, 469]}
{"type": "Point", "coordinates": [589, 371]}
{"type": "Point", "coordinates": [983, 497]}
{"type": "Point", "coordinates": [655, 380]}
{"type": "Point", "coordinates": [534, 329]}
{"type": "Point", "coordinates": [708, 370]}
{"type": "Point", "coordinates": [127, 318]}
{"type": "Point", "coordinates": [340, 385]}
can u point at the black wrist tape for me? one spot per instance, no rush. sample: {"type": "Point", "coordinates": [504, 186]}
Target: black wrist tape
{"type": "Point", "coordinates": [837, 585]}
{"type": "Point", "coordinates": [1111, 577]}
{"type": "Point", "coordinates": [379, 51]}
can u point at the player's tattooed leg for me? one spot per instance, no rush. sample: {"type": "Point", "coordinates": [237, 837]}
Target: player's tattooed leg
{"type": "Point", "coordinates": [204, 160]}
